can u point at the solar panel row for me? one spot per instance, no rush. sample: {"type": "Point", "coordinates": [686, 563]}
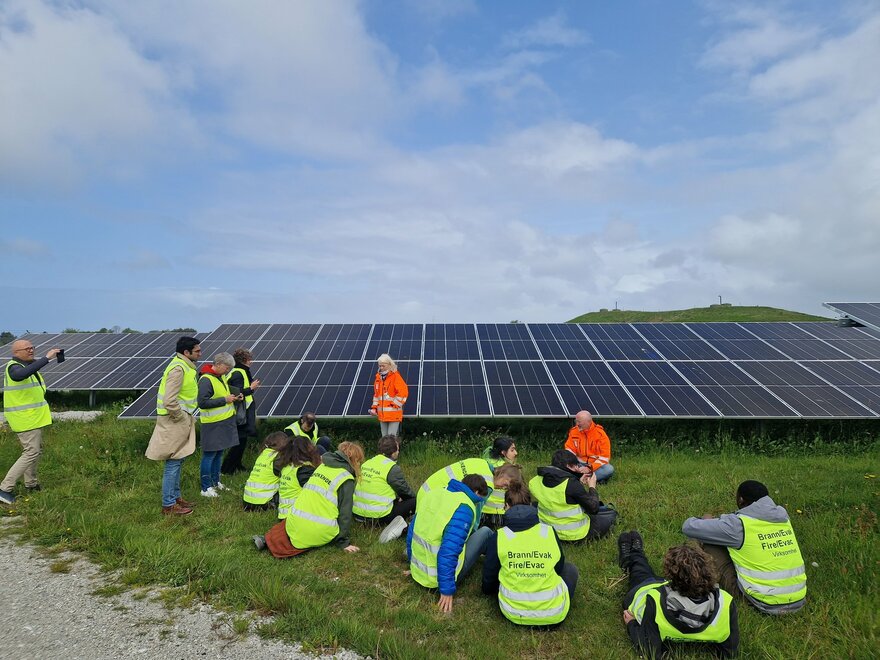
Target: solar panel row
{"type": "Point", "coordinates": [629, 370]}
{"type": "Point", "coordinates": [866, 313]}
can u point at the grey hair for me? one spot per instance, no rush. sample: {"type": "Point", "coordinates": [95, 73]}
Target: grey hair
{"type": "Point", "coordinates": [386, 359]}
{"type": "Point", "coordinates": [224, 358]}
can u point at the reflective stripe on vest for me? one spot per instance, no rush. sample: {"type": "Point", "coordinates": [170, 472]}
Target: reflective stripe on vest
{"type": "Point", "coordinates": [432, 517]}
{"type": "Point", "coordinates": [249, 398]}
{"type": "Point", "coordinates": [494, 505]}
{"type": "Point", "coordinates": [295, 429]}
{"type": "Point", "coordinates": [571, 522]}
{"type": "Point", "coordinates": [288, 489]}
{"type": "Point", "coordinates": [189, 388]}
{"type": "Point", "coordinates": [24, 402]}
{"type": "Point", "coordinates": [374, 497]}
{"type": "Point", "coordinates": [769, 565]}
{"type": "Point", "coordinates": [262, 483]}
{"type": "Point", "coordinates": [441, 478]}
{"type": "Point", "coordinates": [313, 519]}
{"type": "Point", "coordinates": [531, 592]}
{"type": "Point", "coordinates": [219, 389]}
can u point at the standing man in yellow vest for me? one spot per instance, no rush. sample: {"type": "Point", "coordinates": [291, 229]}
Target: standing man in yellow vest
{"type": "Point", "coordinates": [383, 496]}
{"type": "Point", "coordinates": [755, 551]}
{"type": "Point", "coordinates": [174, 437]}
{"type": "Point", "coordinates": [26, 412]}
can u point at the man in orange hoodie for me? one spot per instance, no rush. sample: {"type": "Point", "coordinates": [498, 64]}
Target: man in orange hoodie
{"type": "Point", "coordinates": [589, 442]}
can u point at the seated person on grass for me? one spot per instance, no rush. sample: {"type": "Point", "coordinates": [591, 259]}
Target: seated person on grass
{"type": "Point", "coordinates": [383, 496]}
{"type": "Point", "coordinates": [568, 500]}
{"type": "Point", "coordinates": [589, 442]}
{"type": "Point", "coordinates": [261, 487]}
{"type": "Point", "coordinates": [525, 567]}
{"type": "Point", "coordinates": [322, 511]}
{"type": "Point", "coordinates": [307, 425]}
{"type": "Point", "coordinates": [685, 606]}
{"type": "Point", "coordinates": [295, 463]}
{"type": "Point", "coordinates": [501, 452]}
{"type": "Point", "coordinates": [458, 470]}
{"type": "Point", "coordinates": [443, 542]}
{"type": "Point", "coordinates": [755, 551]}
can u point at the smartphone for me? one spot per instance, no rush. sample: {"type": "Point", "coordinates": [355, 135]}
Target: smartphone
{"type": "Point", "coordinates": [59, 356]}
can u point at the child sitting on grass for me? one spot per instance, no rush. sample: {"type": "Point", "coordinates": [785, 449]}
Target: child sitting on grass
{"type": "Point", "coordinates": [261, 487]}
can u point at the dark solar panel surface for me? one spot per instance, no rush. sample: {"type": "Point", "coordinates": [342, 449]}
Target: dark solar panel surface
{"type": "Point", "coordinates": [867, 313]}
{"type": "Point", "coordinates": [545, 370]}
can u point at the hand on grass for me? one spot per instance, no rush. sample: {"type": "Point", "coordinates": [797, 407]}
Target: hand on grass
{"type": "Point", "coordinates": [352, 548]}
{"type": "Point", "coordinates": [407, 573]}
{"type": "Point", "coordinates": [628, 616]}
{"type": "Point", "coordinates": [445, 604]}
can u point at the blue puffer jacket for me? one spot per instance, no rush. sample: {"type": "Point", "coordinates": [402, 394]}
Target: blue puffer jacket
{"type": "Point", "coordinates": [454, 537]}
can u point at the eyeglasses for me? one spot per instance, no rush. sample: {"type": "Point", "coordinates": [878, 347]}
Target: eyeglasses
{"type": "Point", "coordinates": [29, 349]}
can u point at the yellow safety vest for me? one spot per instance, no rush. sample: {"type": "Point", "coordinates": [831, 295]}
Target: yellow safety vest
{"type": "Point", "coordinates": [189, 388]}
{"type": "Point", "coordinates": [432, 517]}
{"type": "Point", "coordinates": [295, 429]}
{"type": "Point", "coordinates": [313, 520]}
{"type": "Point", "coordinates": [288, 489]}
{"type": "Point", "coordinates": [570, 521]}
{"type": "Point", "coordinates": [494, 505]}
{"type": "Point", "coordinates": [531, 592]}
{"type": "Point", "coordinates": [249, 398]}
{"type": "Point", "coordinates": [441, 478]}
{"type": "Point", "coordinates": [24, 401]}
{"type": "Point", "coordinates": [374, 497]}
{"type": "Point", "coordinates": [716, 632]}
{"type": "Point", "coordinates": [220, 388]}
{"type": "Point", "coordinates": [769, 565]}
{"type": "Point", "coordinates": [262, 484]}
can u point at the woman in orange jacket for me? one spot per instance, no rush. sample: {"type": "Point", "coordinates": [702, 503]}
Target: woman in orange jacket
{"type": "Point", "coordinates": [389, 395]}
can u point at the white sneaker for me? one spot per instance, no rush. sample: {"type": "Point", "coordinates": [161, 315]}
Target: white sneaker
{"type": "Point", "coordinates": [393, 531]}
{"type": "Point", "coordinates": [210, 492]}
{"type": "Point", "coordinates": [219, 486]}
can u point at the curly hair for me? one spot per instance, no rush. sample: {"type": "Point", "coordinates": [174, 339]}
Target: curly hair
{"type": "Point", "coordinates": [690, 571]}
{"type": "Point", "coordinates": [242, 355]}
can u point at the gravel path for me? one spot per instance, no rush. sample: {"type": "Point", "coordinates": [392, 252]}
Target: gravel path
{"type": "Point", "coordinates": [54, 614]}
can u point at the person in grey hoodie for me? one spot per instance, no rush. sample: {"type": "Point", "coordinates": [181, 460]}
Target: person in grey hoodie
{"type": "Point", "coordinates": [721, 536]}
{"type": "Point", "coordinates": [686, 605]}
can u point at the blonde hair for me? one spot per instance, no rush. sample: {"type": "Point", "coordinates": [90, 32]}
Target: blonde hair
{"type": "Point", "coordinates": [386, 359]}
{"type": "Point", "coordinates": [354, 452]}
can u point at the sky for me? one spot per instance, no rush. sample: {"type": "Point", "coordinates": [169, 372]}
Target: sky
{"type": "Point", "coordinates": [180, 163]}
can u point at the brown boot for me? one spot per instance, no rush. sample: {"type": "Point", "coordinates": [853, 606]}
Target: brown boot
{"type": "Point", "coordinates": [182, 502]}
{"type": "Point", "coordinates": [176, 510]}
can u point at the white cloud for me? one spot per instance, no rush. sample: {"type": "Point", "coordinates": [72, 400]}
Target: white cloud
{"type": "Point", "coordinates": [549, 32]}
{"type": "Point", "coordinates": [23, 247]}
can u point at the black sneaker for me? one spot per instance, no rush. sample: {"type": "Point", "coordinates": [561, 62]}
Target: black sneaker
{"type": "Point", "coordinates": [624, 550]}
{"type": "Point", "coordinates": [7, 498]}
{"type": "Point", "coordinates": [636, 541]}
{"type": "Point", "coordinates": [260, 542]}
{"type": "Point", "coordinates": [34, 489]}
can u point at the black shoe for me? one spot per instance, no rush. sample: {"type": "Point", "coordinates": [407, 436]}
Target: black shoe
{"type": "Point", "coordinates": [636, 541]}
{"type": "Point", "coordinates": [34, 489]}
{"type": "Point", "coordinates": [624, 550]}
{"type": "Point", "coordinates": [259, 541]}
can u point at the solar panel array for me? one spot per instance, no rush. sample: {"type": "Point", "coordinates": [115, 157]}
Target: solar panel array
{"type": "Point", "coordinates": [702, 370]}
{"type": "Point", "coordinates": [863, 312]}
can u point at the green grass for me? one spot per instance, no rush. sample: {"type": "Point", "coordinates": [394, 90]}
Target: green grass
{"type": "Point", "coordinates": [697, 315]}
{"type": "Point", "coordinates": [101, 497]}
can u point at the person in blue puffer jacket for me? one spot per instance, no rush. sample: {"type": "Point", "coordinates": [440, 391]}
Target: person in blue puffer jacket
{"type": "Point", "coordinates": [442, 543]}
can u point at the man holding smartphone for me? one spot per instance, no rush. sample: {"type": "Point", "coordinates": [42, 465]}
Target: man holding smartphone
{"type": "Point", "coordinates": [26, 412]}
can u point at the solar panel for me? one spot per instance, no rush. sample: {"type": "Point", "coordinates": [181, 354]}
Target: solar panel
{"type": "Point", "coordinates": [733, 392]}
{"type": "Point", "coordinates": [509, 341]}
{"type": "Point", "coordinates": [676, 342]}
{"type": "Point", "coordinates": [339, 342]}
{"type": "Point", "coordinates": [522, 388]}
{"type": "Point", "coordinates": [455, 388]}
{"type": "Point", "coordinates": [661, 391]}
{"type": "Point", "coordinates": [855, 342]}
{"type": "Point", "coordinates": [451, 341]}
{"type": "Point", "coordinates": [866, 313]}
{"type": "Point", "coordinates": [133, 374]}
{"type": "Point", "coordinates": [562, 342]}
{"type": "Point", "coordinates": [619, 341]}
{"type": "Point", "coordinates": [794, 342]}
{"type": "Point", "coordinates": [401, 342]}
{"type": "Point", "coordinates": [592, 386]}
{"type": "Point", "coordinates": [734, 342]}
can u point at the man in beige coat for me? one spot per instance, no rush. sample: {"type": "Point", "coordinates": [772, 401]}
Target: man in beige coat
{"type": "Point", "coordinates": [174, 437]}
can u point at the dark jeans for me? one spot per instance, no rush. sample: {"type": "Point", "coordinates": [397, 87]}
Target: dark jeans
{"type": "Point", "coordinates": [405, 508]}
{"type": "Point", "coordinates": [570, 577]}
{"type": "Point", "coordinates": [601, 523]}
{"type": "Point", "coordinates": [640, 572]}
{"type": "Point", "coordinates": [232, 460]}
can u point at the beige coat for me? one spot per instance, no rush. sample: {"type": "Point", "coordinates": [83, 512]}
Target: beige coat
{"type": "Point", "coordinates": [175, 433]}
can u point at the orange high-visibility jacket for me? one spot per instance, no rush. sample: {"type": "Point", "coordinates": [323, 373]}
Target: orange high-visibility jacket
{"type": "Point", "coordinates": [389, 395]}
{"type": "Point", "coordinates": [591, 446]}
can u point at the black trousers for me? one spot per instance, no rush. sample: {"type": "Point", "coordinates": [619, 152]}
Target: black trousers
{"type": "Point", "coordinates": [232, 459]}
{"type": "Point", "coordinates": [640, 572]}
{"type": "Point", "coordinates": [403, 508]}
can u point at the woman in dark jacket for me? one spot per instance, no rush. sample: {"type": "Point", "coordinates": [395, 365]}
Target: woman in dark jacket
{"type": "Point", "coordinates": [218, 421]}
{"type": "Point", "coordinates": [240, 377]}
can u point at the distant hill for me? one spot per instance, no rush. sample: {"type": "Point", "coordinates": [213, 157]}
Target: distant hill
{"type": "Point", "coordinates": [697, 315]}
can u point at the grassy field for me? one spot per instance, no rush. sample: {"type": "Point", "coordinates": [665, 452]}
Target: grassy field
{"type": "Point", "coordinates": [697, 315]}
{"type": "Point", "coordinates": [101, 497]}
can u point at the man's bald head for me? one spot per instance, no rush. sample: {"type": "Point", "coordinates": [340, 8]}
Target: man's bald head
{"type": "Point", "coordinates": [583, 420]}
{"type": "Point", "coordinates": [23, 350]}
